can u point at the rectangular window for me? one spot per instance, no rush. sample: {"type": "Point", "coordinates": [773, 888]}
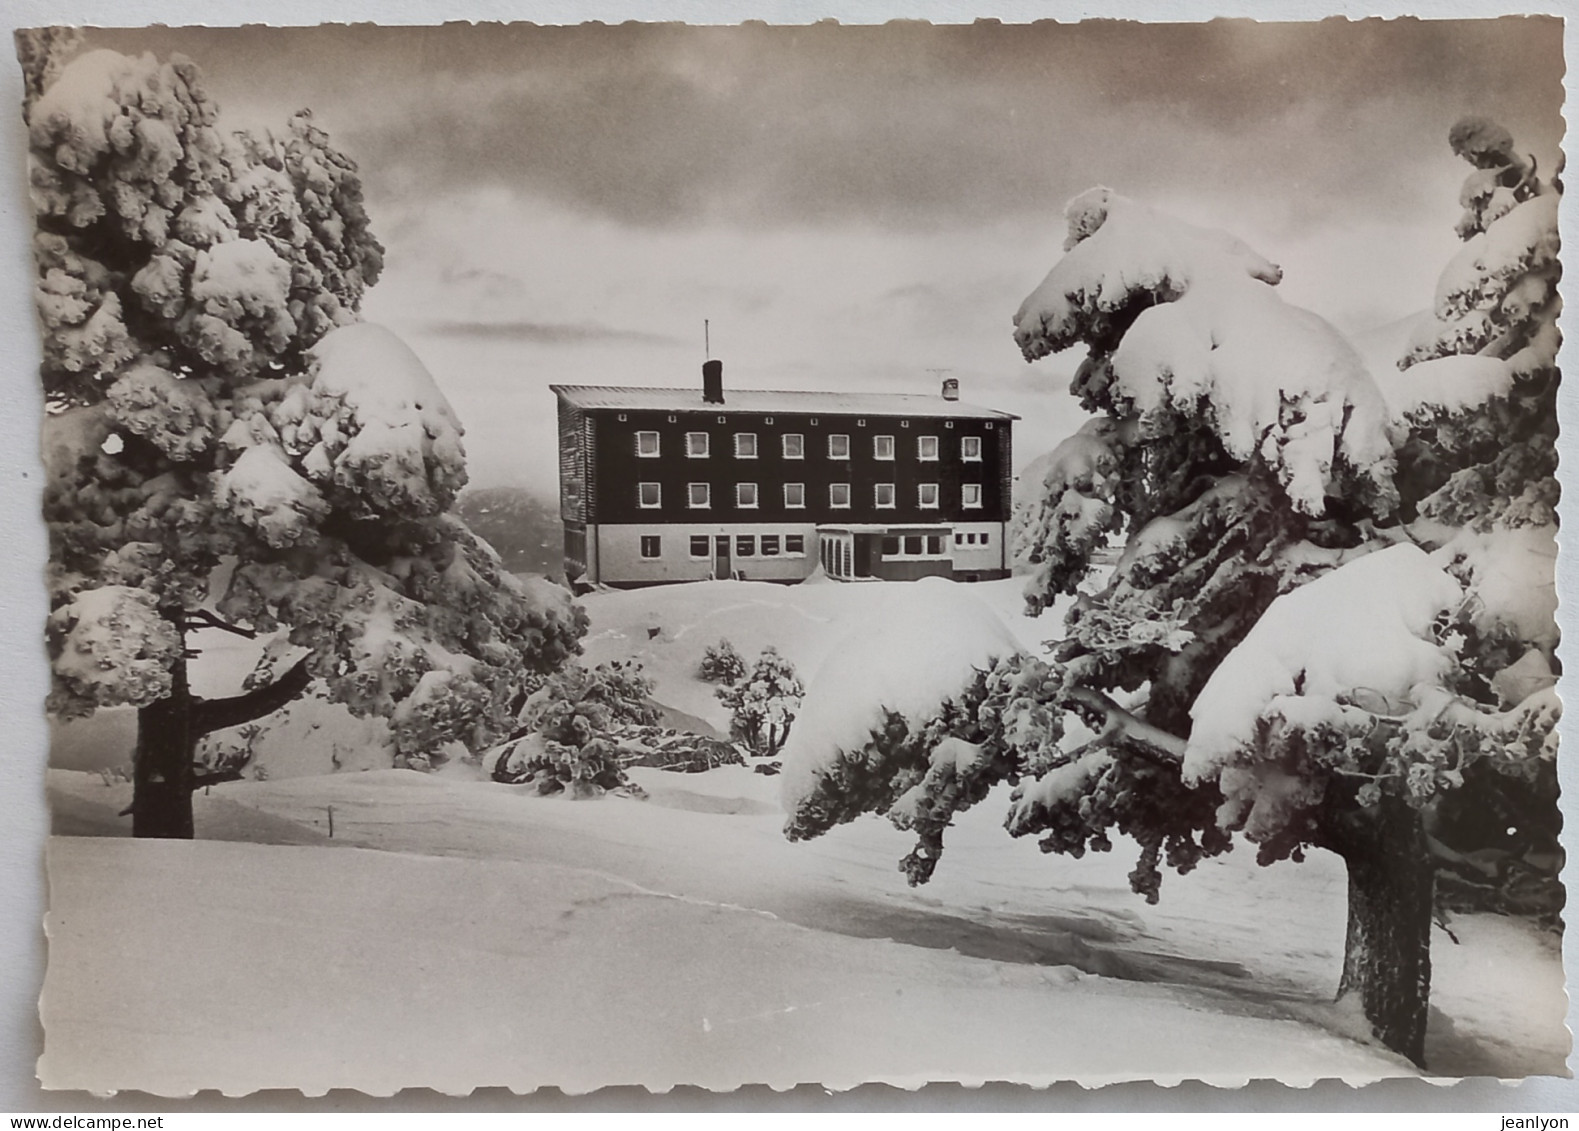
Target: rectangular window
{"type": "Point", "coordinates": [934, 543]}
{"type": "Point", "coordinates": [884, 495]}
{"type": "Point", "coordinates": [984, 538]}
{"type": "Point", "coordinates": [649, 495]}
{"type": "Point", "coordinates": [912, 543]}
{"type": "Point", "coordinates": [699, 496]}
{"type": "Point", "coordinates": [701, 546]}
{"type": "Point", "coordinates": [839, 496]}
{"type": "Point", "coordinates": [746, 495]}
{"type": "Point", "coordinates": [970, 495]}
{"type": "Point", "coordinates": [970, 448]}
{"type": "Point", "coordinates": [926, 447]}
{"type": "Point", "coordinates": [696, 445]}
{"type": "Point", "coordinates": [745, 545]}
{"type": "Point", "coordinates": [928, 493]}
{"type": "Point", "coordinates": [795, 544]}
{"type": "Point", "coordinates": [959, 539]}
{"type": "Point", "coordinates": [890, 546]}
{"type": "Point", "coordinates": [838, 447]}
{"type": "Point", "coordinates": [770, 545]}
{"type": "Point", "coordinates": [795, 496]}
{"type": "Point", "coordinates": [882, 447]}
{"type": "Point", "coordinates": [794, 445]}
{"type": "Point", "coordinates": [745, 445]}
{"type": "Point", "coordinates": [647, 445]}
{"type": "Point", "coordinates": [651, 546]}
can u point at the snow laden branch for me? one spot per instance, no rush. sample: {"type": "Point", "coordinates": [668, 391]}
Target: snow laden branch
{"type": "Point", "coordinates": [1183, 322]}
{"type": "Point", "coordinates": [897, 720]}
{"type": "Point", "coordinates": [1118, 724]}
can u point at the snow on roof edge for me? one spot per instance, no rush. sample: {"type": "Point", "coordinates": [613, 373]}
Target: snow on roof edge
{"type": "Point", "coordinates": [773, 400]}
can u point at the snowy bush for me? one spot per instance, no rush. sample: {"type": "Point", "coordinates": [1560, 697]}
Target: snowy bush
{"type": "Point", "coordinates": [579, 772]}
{"type": "Point", "coordinates": [763, 704]}
{"type": "Point", "coordinates": [722, 663]}
{"type": "Point", "coordinates": [573, 724]}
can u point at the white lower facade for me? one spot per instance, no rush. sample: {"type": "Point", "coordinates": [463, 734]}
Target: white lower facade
{"type": "Point", "coordinates": [639, 554]}
{"type": "Point", "coordinates": [655, 554]}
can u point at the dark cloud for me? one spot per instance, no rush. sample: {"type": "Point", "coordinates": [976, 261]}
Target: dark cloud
{"type": "Point", "coordinates": [546, 333]}
{"type": "Point", "coordinates": [905, 124]}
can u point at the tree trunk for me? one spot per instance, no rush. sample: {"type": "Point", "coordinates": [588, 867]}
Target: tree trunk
{"type": "Point", "coordinates": [1387, 955]}
{"type": "Point", "coordinates": [162, 769]}
{"type": "Point", "coordinates": [163, 773]}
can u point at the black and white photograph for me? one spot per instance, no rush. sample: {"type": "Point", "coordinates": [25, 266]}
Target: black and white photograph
{"type": "Point", "coordinates": [669, 554]}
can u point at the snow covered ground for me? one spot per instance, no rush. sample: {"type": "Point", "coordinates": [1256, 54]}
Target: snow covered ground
{"type": "Point", "coordinates": [455, 932]}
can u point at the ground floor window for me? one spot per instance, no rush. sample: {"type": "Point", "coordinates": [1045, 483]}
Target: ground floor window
{"type": "Point", "coordinates": [770, 545]}
{"type": "Point", "coordinates": [794, 544]}
{"type": "Point", "coordinates": [902, 546]}
{"type": "Point", "coordinates": [745, 545]}
{"type": "Point", "coordinates": [651, 546]}
{"type": "Point", "coordinates": [701, 546]}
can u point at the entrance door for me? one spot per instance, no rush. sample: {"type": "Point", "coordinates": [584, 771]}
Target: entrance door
{"type": "Point", "coordinates": [863, 555]}
{"type": "Point", "coordinates": [721, 556]}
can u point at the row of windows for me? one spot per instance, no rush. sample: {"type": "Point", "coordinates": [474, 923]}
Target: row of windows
{"type": "Point", "coordinates": [698, 445]}
{"type": "Point", "coordinates": [794, 545]}
{"type": "Point", "coordinates": [742, 545]}
{"type": "Point", "coordinates": [699, 496]}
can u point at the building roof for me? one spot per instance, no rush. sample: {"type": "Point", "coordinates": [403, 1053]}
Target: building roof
{"type": "Point", "coordinates": [777, 400]}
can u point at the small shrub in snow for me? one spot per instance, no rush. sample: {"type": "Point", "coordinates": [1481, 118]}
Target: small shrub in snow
{"type": "Point", "coordinates": [763, 705]}
{"type": "Point", "coordinates": [721, 663]}
{"type": "Point", "coordinates": [666, 749]}
{"type": "Point", "coordinates": [574, 719]}
{"type": "Point", "coordinates": [582, 772]}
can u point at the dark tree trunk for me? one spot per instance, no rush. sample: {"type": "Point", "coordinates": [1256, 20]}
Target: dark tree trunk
{"type": "Point", "coordinates": [1387, 954]}
{"type": "Point", "coordinates": [162, 768]}
{"type": "Point", "coordinates": [163, 773]}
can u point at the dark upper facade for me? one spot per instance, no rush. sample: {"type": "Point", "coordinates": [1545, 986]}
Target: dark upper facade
{"type": "Point", "coordinates": [633, 455]}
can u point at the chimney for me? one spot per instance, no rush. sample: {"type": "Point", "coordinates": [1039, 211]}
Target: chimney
{"type": "Point", "coordinates": [951, 388]}
{"type": "Point", "coordinates": [713, 382]}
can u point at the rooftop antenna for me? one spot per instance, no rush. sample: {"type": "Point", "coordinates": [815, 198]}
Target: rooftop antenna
{"type": "Point", "coordinates": [707, 342]}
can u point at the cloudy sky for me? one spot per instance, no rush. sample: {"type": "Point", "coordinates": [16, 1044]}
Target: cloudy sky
{"type": "Point", "coordinates": [857, 207]}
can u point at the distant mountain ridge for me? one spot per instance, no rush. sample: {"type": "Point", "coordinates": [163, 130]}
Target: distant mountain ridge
{"type": "Point", "coordinates": [520, 524]}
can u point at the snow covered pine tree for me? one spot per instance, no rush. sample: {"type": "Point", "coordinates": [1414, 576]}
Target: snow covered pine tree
{"type": "Point", "coordinates": [1271, 655]}
{"type": "Point", "coordinates": [1477, 397]}
{"type": "Point", "coordinates": [226, 447]}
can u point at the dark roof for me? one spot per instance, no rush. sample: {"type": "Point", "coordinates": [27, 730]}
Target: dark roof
{"type": "Point", "coordinates": [775, 400]}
